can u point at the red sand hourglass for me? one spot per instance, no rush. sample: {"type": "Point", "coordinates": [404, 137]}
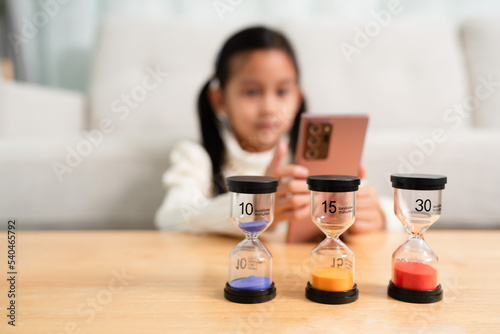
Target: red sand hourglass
{"type": "Point", "coordinates": [250, 262]}
{"type": "Point", "coordinates": [417, 204]}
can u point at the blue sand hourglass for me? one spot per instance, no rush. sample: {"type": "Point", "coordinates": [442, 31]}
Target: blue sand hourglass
{"type": "Point", "coordinates": [250, 262]}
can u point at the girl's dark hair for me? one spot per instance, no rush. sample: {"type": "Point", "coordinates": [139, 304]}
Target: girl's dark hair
{"type": "Point", "coordinates": [245, 40]}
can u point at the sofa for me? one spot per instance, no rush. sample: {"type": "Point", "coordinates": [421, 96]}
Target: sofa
{"type": "Point", "coordinates": [72, 160]}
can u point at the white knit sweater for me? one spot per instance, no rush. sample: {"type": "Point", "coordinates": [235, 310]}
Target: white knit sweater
{"type": "Point", "coordinates": [189, 204]}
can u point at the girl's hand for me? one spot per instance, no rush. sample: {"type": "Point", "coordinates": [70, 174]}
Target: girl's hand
{"type": "Point", "coordinates": [369, 214]}
{"type": "Point", "coordinates": [292, 197]}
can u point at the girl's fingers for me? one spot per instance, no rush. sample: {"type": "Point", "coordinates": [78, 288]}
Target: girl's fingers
{"type": "Point", "coordinates": [367, 221]}
{"type": "Point", "coordinates": [366, 199]}
{"type": "Point", "coordinates": [295, 171]}
{"type": "Point", "coordinates": [277, 169]}
{"type": "Point", "coordinates": [293, 202]}
{"type": "Point", "coordinates": [367, 215]}
{"type": "Point", "coordinates": [292, 187]}
{"type": "Point", "coordinates": [366, 191]}
{"type": "Point", "coordinates": [280, 153]}
{"type": "Point", "coordinates": [362, 172]}
{"type": "Point", "coordinates": [369, 204]}
{"type": "Point", "coordinates": [297, 214]}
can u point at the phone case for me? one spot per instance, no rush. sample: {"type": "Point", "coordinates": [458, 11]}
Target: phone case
{"type": "Point", "coordinates": [331, 144]}
{"type": "Point", "coordinates": [327, 144]}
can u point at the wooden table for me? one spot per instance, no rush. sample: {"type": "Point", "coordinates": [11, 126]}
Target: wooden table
{"type": "Point", "coordinates": [157, 282]}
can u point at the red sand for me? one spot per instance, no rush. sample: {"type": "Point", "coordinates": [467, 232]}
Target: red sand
{"type": "Point", "coordinates": [415, 276]}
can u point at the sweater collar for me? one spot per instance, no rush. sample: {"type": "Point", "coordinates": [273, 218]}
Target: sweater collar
{"type": "Point", "coordinates": [236, 153]}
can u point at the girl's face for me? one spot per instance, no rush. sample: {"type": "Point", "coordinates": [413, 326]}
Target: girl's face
{"type": "Point", "coordinates": [261, 98]}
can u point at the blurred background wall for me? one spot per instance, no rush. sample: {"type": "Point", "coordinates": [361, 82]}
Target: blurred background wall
{"type": "Point", "coordinates": [60, 53]}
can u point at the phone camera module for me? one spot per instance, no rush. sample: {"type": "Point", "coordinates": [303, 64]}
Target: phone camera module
{"type": "Point", "coordinates": [315, 129]}
{"type": "Point", "coordinates": [312, 154]}
{"type": "Point", "coordinates": [313, 142]}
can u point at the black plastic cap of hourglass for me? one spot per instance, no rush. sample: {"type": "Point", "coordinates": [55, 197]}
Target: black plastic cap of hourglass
{"type": "Point", "coordinates": [333, 183]}
{"type": "Point", "coordinates": [249, 296]}
{"type": "Point", "coordinates": [415, 296]}
{"type": "Point", "coordinates": [418, 181]}
{"type": "Point", "coordinates": [250, 184]}
{"type": "Point", "coordinates": [332, 297]}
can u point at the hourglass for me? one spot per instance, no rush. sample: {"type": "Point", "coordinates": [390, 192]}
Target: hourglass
{"type": "Point", "coordinates": [333, 207]}
{"type": "Point", "coordinates": [417, 204]}
{"type": "Point", "coordinates": [250, 262]}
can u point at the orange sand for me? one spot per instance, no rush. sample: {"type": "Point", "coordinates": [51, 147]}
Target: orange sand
{"type": "Point", "coordinates": [332, 279]}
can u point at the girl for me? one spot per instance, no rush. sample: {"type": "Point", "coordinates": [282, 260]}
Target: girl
{"type": "Point", "coordinates": [249, 115]}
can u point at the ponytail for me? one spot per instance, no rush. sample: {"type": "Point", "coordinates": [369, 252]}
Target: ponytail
{"type": "Point", "coordinates": [212, 140]}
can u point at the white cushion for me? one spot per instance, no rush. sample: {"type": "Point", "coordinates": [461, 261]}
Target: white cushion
{"type": "Point", "coordinates": [470, 159]}
{"type": "Point", "coordinates": [129, 49]}
{"type": "Point", "coordinates": [116, 184]}
{"type": "Point", "coordinates": [408, 75]}
{"type": "Point", "coordinates": [481, 43]}
{"type": "Point", "coordinates": [29, 111]}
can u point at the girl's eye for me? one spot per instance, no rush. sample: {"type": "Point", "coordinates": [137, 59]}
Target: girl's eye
{"type": "Point", "coordinates": [283, 92]}
{"type": "Point", "coordinates": [251, 92]}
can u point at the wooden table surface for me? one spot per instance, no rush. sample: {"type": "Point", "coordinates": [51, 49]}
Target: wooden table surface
{"type": "Point", "coordinates": [158, 282]}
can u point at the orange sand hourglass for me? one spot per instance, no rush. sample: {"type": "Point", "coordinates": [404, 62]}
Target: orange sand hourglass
{"type": "Point", "coordinates": [333, 205]}
{"type": "Point", "coordinates": [417, 204]}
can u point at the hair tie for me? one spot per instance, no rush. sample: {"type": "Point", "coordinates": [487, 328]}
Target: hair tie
{"type": "Point", "coordinates": [214, 83]}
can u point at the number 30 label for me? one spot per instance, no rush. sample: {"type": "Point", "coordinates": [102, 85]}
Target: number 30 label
{"type": "Point", "coordinates": [423, 205]}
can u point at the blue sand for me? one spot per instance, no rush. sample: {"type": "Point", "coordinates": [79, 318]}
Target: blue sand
{"type": "Point", "coordinates": [255, 226]}
{"type": "Point", "coordinates": [251, 283]}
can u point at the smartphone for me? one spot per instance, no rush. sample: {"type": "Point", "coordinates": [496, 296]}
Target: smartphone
{"type": "Point", "coordinates": [327, 144]}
